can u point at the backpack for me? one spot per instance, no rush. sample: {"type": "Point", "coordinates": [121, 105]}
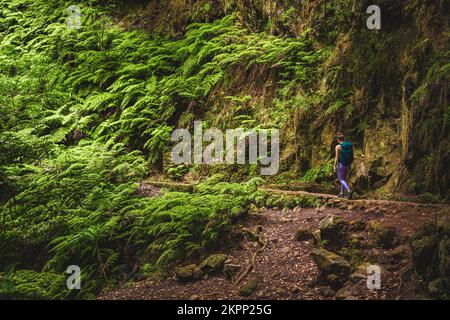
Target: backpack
{"type": "Point", "coordinates": [346, 154]}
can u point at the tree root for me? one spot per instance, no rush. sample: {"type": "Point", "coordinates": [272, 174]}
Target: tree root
{"type": "Point", "coordinates": [254, 236]}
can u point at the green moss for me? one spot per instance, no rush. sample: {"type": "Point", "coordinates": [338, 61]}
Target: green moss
{"type": "Point", "coordinates": [354, 256]}
{"type": "Point", "coordinates": [250, 287]}
{"type": "Point", "coordinates": [289, 202]}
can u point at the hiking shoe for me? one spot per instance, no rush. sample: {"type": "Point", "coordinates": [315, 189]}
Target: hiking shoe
{"type": "Point", "coordinates": [341, 196]}
{"type": "Point", "coordinates": [350, 195]}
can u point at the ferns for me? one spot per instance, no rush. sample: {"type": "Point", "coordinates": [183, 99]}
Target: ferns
{"type": "Point", "coordinates": [179, 224]}
{"type": "Point", "coordinates": [94, 222]}
{"type": "Point", "coordinates": [29, 284]}
{"type": "Point", "coordinates": [127, 75]}
{"type": "Point", "coordinates": [83, 113]}
{"type": "Point", "coordinates": [335, 107]}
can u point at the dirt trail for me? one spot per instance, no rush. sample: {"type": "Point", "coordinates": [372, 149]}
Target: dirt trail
{"type": "Point", "coordinates": [369, 202]}
{"type": "Point", "coordinates": [274, 189]}
{"type": "Point", "coordinates": [286, 268]}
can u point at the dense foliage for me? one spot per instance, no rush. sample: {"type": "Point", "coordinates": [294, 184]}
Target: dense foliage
{"type": "Point", "coordinates": [84, 112]}
{"type": "Point", "coordinates": [87, 113]}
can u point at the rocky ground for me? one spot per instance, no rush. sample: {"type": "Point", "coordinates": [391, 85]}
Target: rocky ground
{"type": "Point", "coordinates": [273, 258]}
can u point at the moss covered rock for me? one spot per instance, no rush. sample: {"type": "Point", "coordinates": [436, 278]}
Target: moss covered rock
{"type": "Point", "coordinates": [384, 236]}
{"type": "Point", "coordinates": [330, 263]}
{"type": "Point", "coordinates": [214, 263]}
{"type": "Point", "coordinates": [431, 255]}
{"type": "Point", "coordinates": [333, 231]}
{"type": "Point", "coordinates": [189, 273]}
{"type": "Point", "coordinates": [425, 255]}
{"type": "Point", "coordinates": [249, 287]}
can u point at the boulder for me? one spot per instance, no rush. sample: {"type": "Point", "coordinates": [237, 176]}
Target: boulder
{"type": "Point", "coordinates": [189, 273]}
{"type": "Point", "coordinates": [430, 247]}
{"type": "Point", "coordinates": [213, 264]}
{"type": "Point", "coordinates": [303, 235]}
{"type": "Point", "coordinates": [384, 236]}
{"type": "Point", "coordinates": [250, 287]}
{"type": "Point", "coordinates": [425, 255]}
{"type": "Point", "coordinates": [333, 230]}
{"type": "Point", "coordinates": [330, 263]}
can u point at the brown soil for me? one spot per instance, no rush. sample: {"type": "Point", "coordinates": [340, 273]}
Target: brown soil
{"type": "Point", "coordinates": [286, 268]}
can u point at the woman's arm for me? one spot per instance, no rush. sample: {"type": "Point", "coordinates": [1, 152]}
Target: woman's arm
{"type": "Point", "coordinates": [336, 159]}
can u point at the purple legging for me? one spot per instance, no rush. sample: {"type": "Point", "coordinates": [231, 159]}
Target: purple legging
{"type": "Point", "coordinates": [342, 176]}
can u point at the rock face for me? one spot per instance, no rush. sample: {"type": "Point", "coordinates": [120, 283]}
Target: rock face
{"type": "Point", "coordinates": [213, 264]}
{"type": "Point", "coordinates": [189, 273]}
{"type": "Point", "coordinates": [333, 231]}
{"type": "Point", "coordinates": [431, 255]}
{"type": "Point", "coordinates": [330, 263]}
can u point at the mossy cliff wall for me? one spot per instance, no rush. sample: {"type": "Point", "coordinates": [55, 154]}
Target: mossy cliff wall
{"type": "Point", "coordinates": [387, 89]}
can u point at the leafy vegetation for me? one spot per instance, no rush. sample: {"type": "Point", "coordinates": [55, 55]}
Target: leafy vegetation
{"type": "Point", "coordinates": [86, 114]}
{"type": "Point", "coordinates": [319, 174]}
{"type": "Point", "coordinates": [90, 111]}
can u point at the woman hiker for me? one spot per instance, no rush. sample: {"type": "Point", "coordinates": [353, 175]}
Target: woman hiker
{"type": "Point", "coordinates": [342, 163]}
